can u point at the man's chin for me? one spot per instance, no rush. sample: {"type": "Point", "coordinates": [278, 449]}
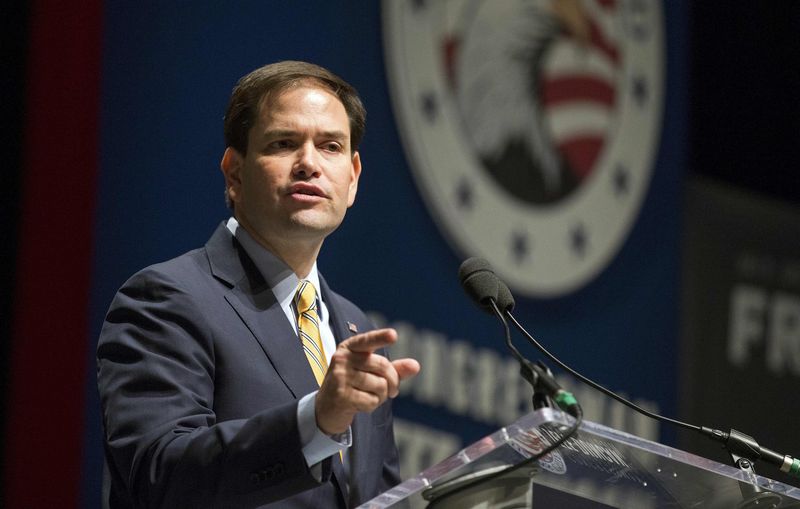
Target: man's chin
{"type": "Point", "coordinates": [313, 226]}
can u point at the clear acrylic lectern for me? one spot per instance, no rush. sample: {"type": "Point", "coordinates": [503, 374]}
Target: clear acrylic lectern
{"type": "Point", "coordinates": [597, 468]}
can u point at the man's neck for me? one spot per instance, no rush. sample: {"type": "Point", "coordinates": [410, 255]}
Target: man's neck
{"type": "Point", "coordinates": [299, 255]}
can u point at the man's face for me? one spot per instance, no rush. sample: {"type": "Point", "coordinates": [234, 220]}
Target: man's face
{"type": "Point", "coordinates": [300, 174]}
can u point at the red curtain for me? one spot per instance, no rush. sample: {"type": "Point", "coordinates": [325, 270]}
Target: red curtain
{"type": "Point", "coordinates": [48, 357]}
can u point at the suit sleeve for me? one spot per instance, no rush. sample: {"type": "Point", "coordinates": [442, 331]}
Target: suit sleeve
{"type": "Point", "coordinates": [155, 370]}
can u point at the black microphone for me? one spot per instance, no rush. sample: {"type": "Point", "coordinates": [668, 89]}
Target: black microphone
{"type": "Point", "coordinates": [493, 296]}
{"type": "Point", "coordinates": [482, 285]}
{"type": "Point", "coordinates": [488, 286]}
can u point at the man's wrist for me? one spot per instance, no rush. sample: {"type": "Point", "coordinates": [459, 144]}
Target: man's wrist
{"type": "Point", "coordinates": [316, 444]}
{"type": "Point", "coordinates": [341, 419]}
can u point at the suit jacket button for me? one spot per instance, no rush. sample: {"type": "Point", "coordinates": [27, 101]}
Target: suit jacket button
{"type": "Point", "coordinates": [254, 478]}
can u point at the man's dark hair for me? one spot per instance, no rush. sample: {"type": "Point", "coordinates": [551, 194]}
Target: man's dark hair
{"type": "Point", "coordinates": [254, 90]}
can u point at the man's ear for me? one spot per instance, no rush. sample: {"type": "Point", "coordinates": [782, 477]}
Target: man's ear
{"type": "Point", "coordinates": [231, 166]}
{"type": "Point", "coordinates": [356, 173]}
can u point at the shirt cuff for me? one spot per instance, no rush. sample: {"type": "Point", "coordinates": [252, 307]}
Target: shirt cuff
{"type": "Point", "coordinates": [317, 445]}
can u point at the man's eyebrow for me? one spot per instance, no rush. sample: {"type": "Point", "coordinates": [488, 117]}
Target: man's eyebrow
{"type": "Point", "coordinates": [288, 133]}
{"type": "Point", "coordinates": [279, 133]}
{"type": "Point", "coordinates": [336, 135]}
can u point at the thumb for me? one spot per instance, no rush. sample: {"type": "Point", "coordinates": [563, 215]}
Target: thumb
{"type": "Point", "coordinates": [406, 368]}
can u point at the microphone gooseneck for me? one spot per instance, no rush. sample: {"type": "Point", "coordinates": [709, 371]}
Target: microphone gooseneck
{"type": "Point", "coordinates": [486, 289]}
{"type": "Point", "coordinates": [493, 296]}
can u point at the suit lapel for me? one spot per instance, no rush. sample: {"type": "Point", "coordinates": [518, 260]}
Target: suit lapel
{"type": "Point", "coordinates": [338, 320]}
{"type": "Point", "coordinates": [268, 324]}
{"type": "Point", "coordinates": [256, 306]}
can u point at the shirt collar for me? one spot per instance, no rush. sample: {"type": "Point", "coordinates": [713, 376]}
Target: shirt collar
{"type": "Point", "coordinates": [279, 277]}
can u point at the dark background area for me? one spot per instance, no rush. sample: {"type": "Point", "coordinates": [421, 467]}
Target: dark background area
{"type": "Point", "coordinates": [744, 115]}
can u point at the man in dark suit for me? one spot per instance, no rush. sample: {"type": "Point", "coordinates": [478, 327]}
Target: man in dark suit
{"type": "Point", "coordinates": [223, 382]}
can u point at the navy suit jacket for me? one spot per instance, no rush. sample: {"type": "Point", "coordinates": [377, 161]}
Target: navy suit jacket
{"type": "Point", "coordinates": [199, 374]}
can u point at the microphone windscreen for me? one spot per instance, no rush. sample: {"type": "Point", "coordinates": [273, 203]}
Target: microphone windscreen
{"type": "Point", "coordinates": [479, 281]}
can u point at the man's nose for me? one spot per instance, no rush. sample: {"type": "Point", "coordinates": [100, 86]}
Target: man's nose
{"type": "Point", "coordinates": [307, 162]}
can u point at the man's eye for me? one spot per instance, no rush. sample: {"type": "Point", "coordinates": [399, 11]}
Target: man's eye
{"type": "Point", "coordinates": [280, 144]}
{"type": "Point", "coordinates": [332, 147]}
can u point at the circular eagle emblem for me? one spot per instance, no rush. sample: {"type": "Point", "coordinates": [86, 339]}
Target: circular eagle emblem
{"type": "Point", "coordinates": [531, 126]}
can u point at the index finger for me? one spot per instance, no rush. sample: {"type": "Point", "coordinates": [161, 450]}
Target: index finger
{"type": "Point", "coordinates": [370, 341]}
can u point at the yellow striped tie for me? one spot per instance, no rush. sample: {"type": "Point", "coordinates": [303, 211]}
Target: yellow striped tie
{"type": "Point", "coordinates": [305, 301]}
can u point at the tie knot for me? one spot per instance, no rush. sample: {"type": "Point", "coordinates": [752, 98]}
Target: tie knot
{"type": "Point", "coordinates": [306, 297]}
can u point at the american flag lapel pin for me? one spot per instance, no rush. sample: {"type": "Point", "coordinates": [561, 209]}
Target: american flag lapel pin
{"type": "Point", "coordinates": [352, 327]}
